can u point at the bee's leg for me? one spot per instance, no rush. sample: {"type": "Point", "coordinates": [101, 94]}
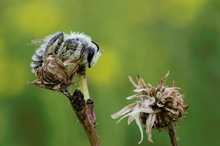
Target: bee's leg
{"type": "Point", "coordinates": [49, 49]}
{"type": "Point", "coordinates": [56, 48]}
{"type": "Point", "coordinates": [66, 49]}
{"type": "Point", "coordinates": [74, 67]}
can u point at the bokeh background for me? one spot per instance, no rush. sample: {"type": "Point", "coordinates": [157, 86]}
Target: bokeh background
{"type": "Point", "coordinates": [145, 37]}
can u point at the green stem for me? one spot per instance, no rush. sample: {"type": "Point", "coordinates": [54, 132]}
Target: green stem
{"type": "Point", "coordinates": [83, 86]}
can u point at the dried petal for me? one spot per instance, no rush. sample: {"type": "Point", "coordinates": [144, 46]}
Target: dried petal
{"type": "Point", "coordinates": [141, 90]}
{"type": "Point", "coordinates": [133, 83]}
{"type": "Point", "coordinates": [162, 81]}
{"type": "Point", "coordinates": [141, 82]}
{"type": "Point", "coordinates": [136, 113]}
{"type": "Point", "coordinates": [139, 124]}
{"type": "Point", "coordinates": [131, 97]}
{"type": "Point", "coordinates": [123, 111]}
{"type": "Point", "coordinates": [149, 124]}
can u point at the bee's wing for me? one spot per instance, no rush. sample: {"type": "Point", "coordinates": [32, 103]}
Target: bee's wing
{"type": "Point", "coordinates": [37, 42]}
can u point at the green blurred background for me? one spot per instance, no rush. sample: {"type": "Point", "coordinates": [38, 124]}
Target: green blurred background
{"type": "Point", "coordinates": [146, 37]}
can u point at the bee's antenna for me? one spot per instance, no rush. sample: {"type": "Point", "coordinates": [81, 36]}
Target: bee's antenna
{"type": "Point", "coordinates": [96, 45]}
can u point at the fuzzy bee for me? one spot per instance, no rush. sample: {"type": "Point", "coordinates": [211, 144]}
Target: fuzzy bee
{"type": "Point", "coordinates": [66, 47]}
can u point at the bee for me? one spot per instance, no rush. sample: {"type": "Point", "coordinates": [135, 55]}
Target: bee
{"type": "Point", "coordinates": [66, 47]}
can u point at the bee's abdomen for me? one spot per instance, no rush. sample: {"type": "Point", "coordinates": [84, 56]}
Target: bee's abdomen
{"type": "Point", "coordinates": [37, 59]}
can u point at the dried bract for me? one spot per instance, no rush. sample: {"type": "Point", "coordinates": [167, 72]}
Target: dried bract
{"type": "Point", "coordinates": [53, 74]}
{"type": "Point", "coordinates": [155, 108]}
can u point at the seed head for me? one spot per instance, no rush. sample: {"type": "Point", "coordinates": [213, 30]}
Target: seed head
{"type": "Point", "coordinates": [155, 107]}
{"type": "Point", "coordinates": [53, 74]}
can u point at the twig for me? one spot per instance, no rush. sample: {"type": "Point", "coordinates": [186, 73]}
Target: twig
{"type": "Point", "coordinates": [84, 111]}
{"type": "Point", "coordinates": [172, 134]}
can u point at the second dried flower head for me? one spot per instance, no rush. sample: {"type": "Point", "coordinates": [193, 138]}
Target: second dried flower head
{"type": "Point", "coordinates": [154, 108]}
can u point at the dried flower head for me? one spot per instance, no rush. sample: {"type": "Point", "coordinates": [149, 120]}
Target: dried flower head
{"type": "Point", "coordinates": [56, 52]}
{"type": "Point", "coordinates": [155, 108]}
{"type": "Point", "coordinates": [53, 74]}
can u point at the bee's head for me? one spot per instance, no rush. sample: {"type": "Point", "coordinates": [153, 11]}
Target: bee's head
{"type": "Point", "coordinates": [93, 54]}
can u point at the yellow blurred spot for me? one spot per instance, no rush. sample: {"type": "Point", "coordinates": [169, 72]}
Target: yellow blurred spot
{"type": "Point", "coordinates": [107, 67]}
{"type": "Point", "coordinates": [13, 77]}
{"type": "Point", "coordinates": [36, 16]}
{"type": "Point", "coordinates": [176, 12]}
{"type": "Point", "coordinates": [181, 13]}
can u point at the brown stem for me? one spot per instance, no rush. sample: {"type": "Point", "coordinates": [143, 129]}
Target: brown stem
{"type": "Point", "coordinates": [84, 112]}
{"type": "Point", "coordinates": [172, 134]}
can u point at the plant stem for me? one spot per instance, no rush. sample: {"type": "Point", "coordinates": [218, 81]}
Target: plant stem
{"type": "Point", "coordinates": [83, 86]}
{"type": "Point", "coordinates": [84, 112]}
{"type": "Point", "coordinates": [172, 134]}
